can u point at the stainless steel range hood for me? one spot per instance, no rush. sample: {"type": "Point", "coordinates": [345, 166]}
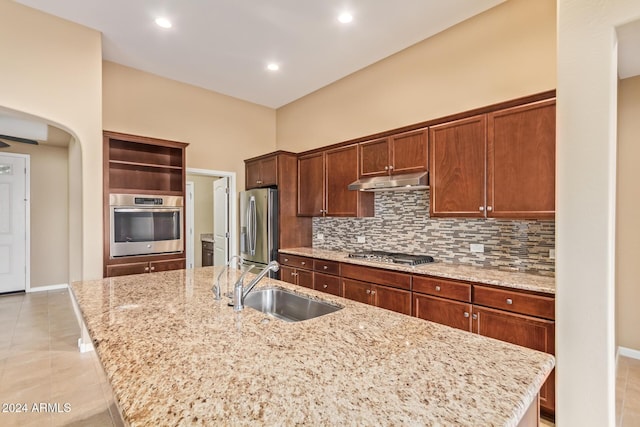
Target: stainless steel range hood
{"type": "Point", "coordinates": [410, 181]}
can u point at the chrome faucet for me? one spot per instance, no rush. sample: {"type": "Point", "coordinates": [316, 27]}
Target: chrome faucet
{"type": "Point", "coordinates": [239, 293]}
{"type": "Point", "coordinates": [217, 291]}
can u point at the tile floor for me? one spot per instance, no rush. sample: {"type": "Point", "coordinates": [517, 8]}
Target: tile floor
{"type": "Point", "coordinates": [40, 364]}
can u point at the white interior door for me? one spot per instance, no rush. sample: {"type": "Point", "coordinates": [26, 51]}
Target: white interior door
{"type": "Point", "coordinates": [221, 221]}
{"type": "Point", "coordinates": [13, 223]}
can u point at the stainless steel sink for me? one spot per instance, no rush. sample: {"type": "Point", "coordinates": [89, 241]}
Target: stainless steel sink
{"type": "Point", "coordinates": [286, 305]}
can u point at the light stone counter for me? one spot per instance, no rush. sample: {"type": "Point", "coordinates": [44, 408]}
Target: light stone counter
{"type": "Point", "coordinates": [175, 356]}
{"type": "Point", "coordinates": [489, 276]}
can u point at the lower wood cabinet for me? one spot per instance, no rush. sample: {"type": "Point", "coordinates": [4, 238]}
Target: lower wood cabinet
{"type": "Point", "coordinates": [393, 299]}
{"type": "Point", "coordinates": [297, 276]}
{"type": "Point", "coordinates": [207, 254]}
{"type": "Point", "coordinates": [145, 267]}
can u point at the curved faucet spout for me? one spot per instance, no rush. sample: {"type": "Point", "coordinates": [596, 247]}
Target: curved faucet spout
{"type": "Point", "coordinates": [239, 294]}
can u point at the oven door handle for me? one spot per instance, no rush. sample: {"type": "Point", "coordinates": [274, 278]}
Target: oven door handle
{"type": "Point", "coordinates": [137, 210]}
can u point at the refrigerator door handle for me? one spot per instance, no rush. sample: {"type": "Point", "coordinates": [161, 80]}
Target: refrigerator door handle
{"type": "Point", "coordinates": [252, 224]}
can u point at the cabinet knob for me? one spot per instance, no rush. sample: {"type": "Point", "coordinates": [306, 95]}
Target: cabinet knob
{"type": "Point", "coordinates": [466, 314]}
{"type": "Point", "coordinates": [437, 288]}
{"type": "Point", "coordinates": [368, 291]}
{"type": "Point", "coordinates": [474, 317]}
{"type": "Point", "coordinates": [325, 267]}
{"type": "Point", "coordinates": [258, 182]}
{"type": "Point", "coordinates": [509, 301]}
{"type": "Point", "coordinates": [481, 208]}
{"type": "Point", "coordinates": [286, 260]}
{"type": "Point", "coordinates": [302, 262]}
{"type": "Point", "coordinates": [153, 268]}
{"type": "Point", "coordinates": [391, 167]}
{"type": "Point", "coordinates": [146, 269]}
{"type": "Point", "coordinates": [489, 208]}
{"type": "Point", "coordinates": [386, 168]}
{"type": "Point", "coordinates": [373, 292]}
{"type": "Point", "coordinates": [325, 286]}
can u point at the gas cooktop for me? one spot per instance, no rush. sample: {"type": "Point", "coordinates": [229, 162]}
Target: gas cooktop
{"type": "Point", "coordinates": [393, 257]}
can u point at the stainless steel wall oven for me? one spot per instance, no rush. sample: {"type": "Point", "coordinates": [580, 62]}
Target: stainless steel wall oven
{"type": "Point", "coordinates": [143, 225]}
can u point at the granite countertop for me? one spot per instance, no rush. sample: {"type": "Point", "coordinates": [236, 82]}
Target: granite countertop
{"type": "Point", "coordinates": [489, 276]}
{"type": "Point", "coordinates": [175, 356]}
{"type": "Point", "coordinates": [206, 237]}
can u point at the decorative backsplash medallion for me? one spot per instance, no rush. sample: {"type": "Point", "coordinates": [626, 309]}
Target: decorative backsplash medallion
{"type": "Point", "coordinates": [402, 224]}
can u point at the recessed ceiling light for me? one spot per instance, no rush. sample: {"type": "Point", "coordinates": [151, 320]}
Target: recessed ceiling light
{"type": "Point", "coordinates": [345, 17]}
{"type": "Point", "coordinates": [273, 67]}
{"type": "Point", "coordinates": [163, 22]}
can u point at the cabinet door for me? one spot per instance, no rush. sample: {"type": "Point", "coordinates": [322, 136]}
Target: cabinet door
{"type": "Point", "coordinates": [165, 265]}
{"type": "Point", "coordinates": [126, 269]}
{"type": "Point", "coordinates": [374, 158]}
{"type": "Point", "coordinates": [447, 312]}
{"type": "Point", "coordinates": [341, 169]}
{"type": "Point", "coordinates": [357, 291]}
{"type": "Point", "coordinates": [457, 170]}
{"type": "Point", "coordinates": [409, 152]}
{"type": "Point", "coordinates": [311, 185]}
{"type": "Point", "coordinates": [392, 299]}
{"type": "Point", "coordinates": [287, 274]}
{"type": "Point", "coordinates": [521, 163]}
{"type": "Point", "coordinates": [269, 171]}
{"type": "Point", "coordinates": [537, 334]}
{"type": "Point", "coordinates": [252, 174]}
{"type": "Point", "coordinates": [305, 278]}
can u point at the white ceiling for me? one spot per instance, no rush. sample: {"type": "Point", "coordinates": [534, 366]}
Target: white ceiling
{"type": "Point", "coordinates": [225, 45]}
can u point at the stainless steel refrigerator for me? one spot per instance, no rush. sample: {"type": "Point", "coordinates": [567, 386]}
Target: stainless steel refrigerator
{"type": "Point", "coordinates": [259, 226]}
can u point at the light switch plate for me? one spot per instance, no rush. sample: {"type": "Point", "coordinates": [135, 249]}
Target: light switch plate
{"type": "Point", "coordinates": [320, 236]}
{"type": "Point", "coordinates": [552, 253]}
{"type": "Point", "coordinates": [361, 239]}
{"type": "Point", "coordinates": [476, 247]}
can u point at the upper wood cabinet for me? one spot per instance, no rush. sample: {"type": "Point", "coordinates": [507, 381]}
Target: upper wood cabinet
{"type": "Point", "coordinates": [457, 174]}
{"type": "Point", "coordinates": [141, 165]}
{"type": "Point", "coordinates": [521, 162]}
{"type": "Point", "coordinates": [262, 172]}
{"type": "Point", "coordinates": [402, 153]}
{"type": "Point", "coordinates": [516, 148]}
{"type": "Point", "coordinates": [322, 184]}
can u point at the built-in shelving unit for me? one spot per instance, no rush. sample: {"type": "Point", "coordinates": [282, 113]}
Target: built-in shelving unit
{"type": "Point", "coordinates": [140, 165]}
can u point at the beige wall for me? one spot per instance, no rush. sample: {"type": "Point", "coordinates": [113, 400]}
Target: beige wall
{"type": "Point", "coordinates": [627, 223]}
{"type": "Point", "coordinates": [504, 53]}
{"type": "Point", "coordinates": [203, 211]}
{"type": "Point", "coordinates": [221, 131]}
{"type": "Point", "coordinates": [51, 69]}
{"type": "Point", "coordinates": [586, 198]}
{"type": "Point", "coordinates": [49, 213]}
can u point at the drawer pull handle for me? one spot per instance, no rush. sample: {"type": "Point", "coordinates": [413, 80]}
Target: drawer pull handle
{"type": "Point", "coordinates": [437, 288]}
{"type": "Point", "coordinates": [466, 314]}
{"type": "Point", "coordinates": [509, 301]}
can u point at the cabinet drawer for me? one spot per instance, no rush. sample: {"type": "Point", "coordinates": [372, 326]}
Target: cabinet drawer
{"type": "Point", "coordinates": [515, 301]}
{"type": "Point", "coordinates": [207, 246]}
{"type": "Point", "coordinates": [376, 275]}
{"type": "Point", "coordinates": [324, 266]}
{"type": "Point", "coordinates": [326, 283]}
{"type": "Point", "coordinates": [442, 288]}
{"type": "Point", "coordinates": [296, 261]}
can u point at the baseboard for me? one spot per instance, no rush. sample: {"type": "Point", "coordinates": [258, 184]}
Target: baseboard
{"type": "Point", "coordinates": [48, 288]}
{"type": "Point", "coordinates": [628, 352]}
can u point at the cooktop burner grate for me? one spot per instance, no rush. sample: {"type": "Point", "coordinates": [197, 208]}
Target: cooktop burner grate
{"type": "Point", "coordinates": [394, 257]}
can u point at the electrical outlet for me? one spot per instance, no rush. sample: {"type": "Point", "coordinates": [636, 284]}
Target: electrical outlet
{"type": "Point", "coordinates": [320, 236]}
{"type": "Point", "coordinates": [552, 253]}
{"type": "Point", "coordinates": [361, 239]}
{"type": "Point", "coordinates": [476, 247]}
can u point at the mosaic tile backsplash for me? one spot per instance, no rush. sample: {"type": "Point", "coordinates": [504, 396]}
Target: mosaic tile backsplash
{"type": "Point", "coordinates": [402, 224]}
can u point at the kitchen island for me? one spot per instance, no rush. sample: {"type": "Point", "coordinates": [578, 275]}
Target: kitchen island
{"type": "Point", "coordinates": [175, 356]}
